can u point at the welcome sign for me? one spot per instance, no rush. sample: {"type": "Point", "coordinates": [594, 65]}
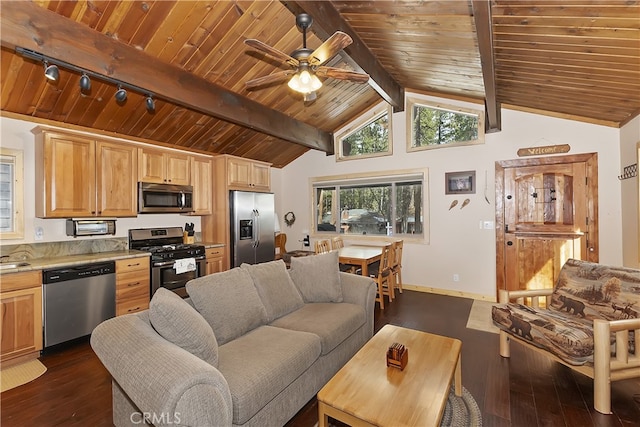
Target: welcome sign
{"type": "Point", "coordinates": [548, 149]}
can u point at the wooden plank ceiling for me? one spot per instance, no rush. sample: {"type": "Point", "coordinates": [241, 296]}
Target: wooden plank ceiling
{"type": "Point", "coordinates": [574, 59]}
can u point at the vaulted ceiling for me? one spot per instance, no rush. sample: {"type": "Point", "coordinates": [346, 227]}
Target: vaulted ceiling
{"type": "Point", "coordinates": [578, 59]}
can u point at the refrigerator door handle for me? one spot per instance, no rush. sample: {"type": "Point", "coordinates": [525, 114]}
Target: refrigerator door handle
{"type": "Point", "coordinates": [257, 227]}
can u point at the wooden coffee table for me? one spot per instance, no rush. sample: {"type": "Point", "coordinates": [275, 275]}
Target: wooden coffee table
{"type": "Point", "coordinates": [365, 392]}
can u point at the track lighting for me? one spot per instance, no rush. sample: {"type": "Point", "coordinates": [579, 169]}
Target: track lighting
{"type": "Point", "coordinates": [121, 94]}
{"type": "Point", "coordinates": [51, 72]}
{"type": "Point", "coordinates": [85, 83]}
{"type": "Point", "coordinates": [151, 104]}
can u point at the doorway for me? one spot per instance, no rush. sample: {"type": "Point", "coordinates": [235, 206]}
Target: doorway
{"type": "Point", "coordinates": [546, 213]}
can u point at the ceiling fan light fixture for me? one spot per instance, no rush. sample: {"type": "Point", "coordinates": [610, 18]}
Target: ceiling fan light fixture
{"type": "Point", "coordinates": [305, 82]}
{"type": "Point", "coordinates": [51, 72]}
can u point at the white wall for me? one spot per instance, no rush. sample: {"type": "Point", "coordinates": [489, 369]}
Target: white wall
{"type": "Point", "coordinates": [457, 245]}
{"type": "Point", "coordinates": [17, 134]}
{"type": "Point", "coordinates": [629, 138]}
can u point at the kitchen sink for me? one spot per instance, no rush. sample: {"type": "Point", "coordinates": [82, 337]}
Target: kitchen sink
{"type": "Point", "coordinates": [9, 265]}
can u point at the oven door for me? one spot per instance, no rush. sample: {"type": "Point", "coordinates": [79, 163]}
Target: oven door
{"type": "Point", "coordinates": [164, 275]}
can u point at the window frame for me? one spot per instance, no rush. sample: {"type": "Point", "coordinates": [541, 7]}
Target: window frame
{"type": "Point", "coordinates": [18, 193]}
{"type": "Point", "coordinates": [358, 178]}
{"type": "Point", "coordinates": [411, 102]}
{"type": "Point", "coordinates": [363, 120]}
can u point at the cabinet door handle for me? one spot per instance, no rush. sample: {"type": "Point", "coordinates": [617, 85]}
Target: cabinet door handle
{"type": "Point", "coordinates": [133, 284]}
{"type": "Point", "coordinates": [133, 309]}
{"type": "Point", "coordinates": [133, 265]}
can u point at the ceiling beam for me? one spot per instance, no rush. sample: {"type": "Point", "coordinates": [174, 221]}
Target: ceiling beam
{"type": "Point", "coordinates": [484, 31]}
{"type": "Point", "coordinates": [326, 21]}
{"type": "Point", "coordinates": [24, 24]}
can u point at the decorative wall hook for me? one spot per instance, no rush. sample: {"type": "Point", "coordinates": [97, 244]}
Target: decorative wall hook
{"type": "Point", "coordinates": [629, 172]}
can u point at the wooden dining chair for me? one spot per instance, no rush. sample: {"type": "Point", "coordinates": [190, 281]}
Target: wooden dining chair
{"type": "Point", "coordinates": [383, 276]}
{"type": "Point", "coordinates": [323, 246]}
{"type": "Point", "coordinates": [337, 243]}
{"type": "Point", "coordinates": [396, 265]}
{"type": "Point", "coordinates": [281, 241]}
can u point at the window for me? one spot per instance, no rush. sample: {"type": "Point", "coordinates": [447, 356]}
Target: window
{"type": "Point", "coordinates": [434, 126]}
{"type": "Point", "coordinates": [368, 136]}
{"type": "Point", "coordinates": [11, 215]}
{"type": "Point", "coordinates": [372, 204]}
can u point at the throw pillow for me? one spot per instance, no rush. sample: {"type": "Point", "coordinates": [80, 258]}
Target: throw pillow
{"type": "Point", "coordinates": [317, 277]}
{"type": "Point", "coordinates": [229, 302]}
{"type": "Point", "coordinates": [277, 292]}
{"type": "Point", "coordinates": [179, 323]}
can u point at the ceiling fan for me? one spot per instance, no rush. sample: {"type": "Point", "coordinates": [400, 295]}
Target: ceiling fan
{"type": "Point", "coordinates": [306, 64]}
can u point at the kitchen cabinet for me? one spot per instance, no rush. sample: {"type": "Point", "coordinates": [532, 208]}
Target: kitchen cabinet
{"type": "Point", "coordinates": [164, 167]}
{"type": "Point", "coordinates": [79, 177]}
{"type": "Point", "coordinates": [201, 179]}
{"type": "Point", "coordinates": [245, 174]}
{"type": "Point", "coordinates": [133, 285]}
{"type": "Point", "coordinates": [21, 298]}
{"type": "Point", "coordinates": [215, 260]}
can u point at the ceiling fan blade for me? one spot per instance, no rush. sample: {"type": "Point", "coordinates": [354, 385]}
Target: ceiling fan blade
{"type": "Point", "coordinates": [271, 51]}
{"type": "Point", "coordinates": [330, 47]}
{"type": "Point", "coordinates": [340, 74]}
{"type": "Point", "coordinates": [270, 79]}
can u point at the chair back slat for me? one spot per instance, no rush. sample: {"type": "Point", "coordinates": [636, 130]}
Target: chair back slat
{"type": "Point", "coordinates": [322, 246]}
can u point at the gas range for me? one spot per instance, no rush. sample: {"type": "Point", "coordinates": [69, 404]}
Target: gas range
{"type": "Point", "coordinates": [177, 251]}
{"type": "Point", "coordinates": [173, 263]}
{"type": "Point", "coordinates": [164, 244]}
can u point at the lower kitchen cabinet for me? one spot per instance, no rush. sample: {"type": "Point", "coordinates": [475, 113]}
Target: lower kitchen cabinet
{"type": "Point", "coordinates": [21, 298]}
{"type": "Point", "coordinates": [132, 285]}
{"type": "Point", "coordinates": [215, 260]}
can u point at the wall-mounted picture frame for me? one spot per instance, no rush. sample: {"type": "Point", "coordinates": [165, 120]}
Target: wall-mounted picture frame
{"type": "Point", "coordinates": [460, 182]}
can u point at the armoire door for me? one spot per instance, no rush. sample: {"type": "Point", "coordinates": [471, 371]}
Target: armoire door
{"type": "Point", "coordinates": [546, 213]}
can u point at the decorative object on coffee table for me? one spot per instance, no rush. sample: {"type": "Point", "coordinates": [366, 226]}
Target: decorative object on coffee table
{"type": "Point", "coordinates": [397, 356]}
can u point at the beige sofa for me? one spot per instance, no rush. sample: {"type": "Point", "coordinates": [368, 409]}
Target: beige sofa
{"type": "Point", "coordinates": [254, 346]}
{"type": "Point", "coordinates": [590, 324]}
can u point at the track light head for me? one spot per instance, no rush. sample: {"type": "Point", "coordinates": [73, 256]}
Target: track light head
{"type": "Point", "coordinates": [51, 72]}
{"type": "Point", "coordinates": [151, 104]}
{"type": "Point", "coordinates": [85, 83]}
{"type": "Point", "coordinates": [121, 94]}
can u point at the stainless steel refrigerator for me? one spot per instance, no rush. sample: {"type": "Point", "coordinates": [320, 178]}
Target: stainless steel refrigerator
{"type": "Point", "coordinates": [252, 227]}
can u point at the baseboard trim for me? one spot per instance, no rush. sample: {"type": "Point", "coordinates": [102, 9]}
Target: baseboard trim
{"type": "Point", "coordinates": [449, 292]}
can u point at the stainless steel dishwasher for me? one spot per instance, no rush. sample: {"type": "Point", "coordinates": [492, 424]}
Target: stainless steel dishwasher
{"type": "Point", "coordinates": [76, 300]}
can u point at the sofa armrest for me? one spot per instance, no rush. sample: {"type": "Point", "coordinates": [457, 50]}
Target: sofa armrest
{"type": "Point", "coordinates": [160, 377]}
{"type": "Point", "coordinates": [361, 291]}
{"type": "Point", "coordinates": [536, 295]}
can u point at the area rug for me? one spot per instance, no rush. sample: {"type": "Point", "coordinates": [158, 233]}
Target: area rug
{"type": "Point", "coordinates": [461, 411]}
{"type": "Point", "coordinates": [480, 317]}
{"type": "Point", "coordinates": [18, 375]}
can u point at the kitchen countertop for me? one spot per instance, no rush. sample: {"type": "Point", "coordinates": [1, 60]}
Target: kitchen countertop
{"type": "Point", "coordinates": [70, 260]}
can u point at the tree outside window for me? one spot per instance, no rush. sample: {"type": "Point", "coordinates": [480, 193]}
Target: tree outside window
{"type": "Point", "coordinates": [432, 126]}
{"type": "Point", "coordinates": [370, 136]}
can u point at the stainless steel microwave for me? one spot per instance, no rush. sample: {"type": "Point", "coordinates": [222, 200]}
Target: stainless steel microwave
{"type": "Point", "coordinates": [164, 198]}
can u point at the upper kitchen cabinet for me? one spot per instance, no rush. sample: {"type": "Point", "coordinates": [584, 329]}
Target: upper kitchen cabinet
{"type": "Point", "coordinates": [77, 176]}
{"type": "Point", "coordinates": [164, 167]}
{"type": "Point", "coordinates": [202, 181]}
{"type": "Point", "coordinates": [244, 174]}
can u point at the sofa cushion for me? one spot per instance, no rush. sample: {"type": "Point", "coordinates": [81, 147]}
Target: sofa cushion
{"type": "Point", "coordinates": [332, 322]}
{"type": "Point", "coordinates": [262, 363]}
{"type": "Point", "coordinates": [229, 302]}
{"type": "Point", "coordinates": [586, 291]}
{"type": "Point", "coordinates": [275, 287]}
{"type": "Point", "coordinates": [317, 277]}
{"type": "Point", "coordinates": [178, 322]}
{"type": "Point", "coordinates": [567, 338]}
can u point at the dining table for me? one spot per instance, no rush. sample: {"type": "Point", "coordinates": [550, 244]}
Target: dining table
{"type": "Point", "coordinates": [360, 255]}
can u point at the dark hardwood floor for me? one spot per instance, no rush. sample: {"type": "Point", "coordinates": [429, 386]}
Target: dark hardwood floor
{"type": "Point", "coordinates": [527, 390]}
